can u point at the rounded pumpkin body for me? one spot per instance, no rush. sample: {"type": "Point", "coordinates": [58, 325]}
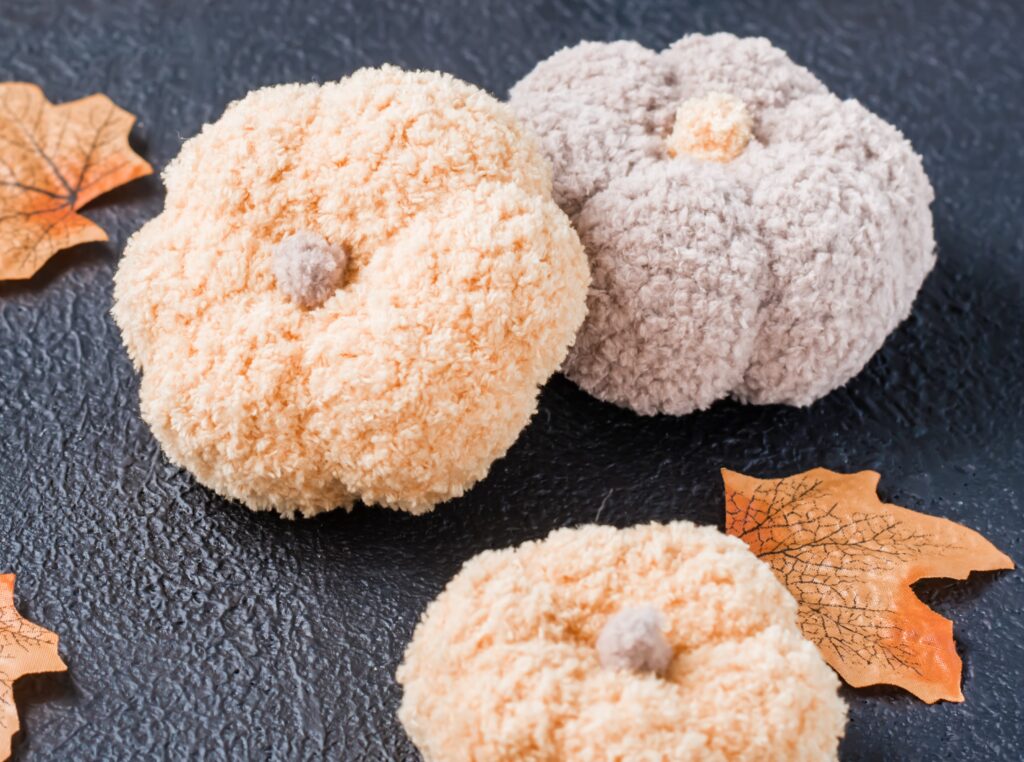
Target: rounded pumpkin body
{"type": "Point", "coordinates": [749, 233]}
{"type": "Point", "coordinates": [433, 286]}
{"type": "Point", "coordinates": [528, 644]}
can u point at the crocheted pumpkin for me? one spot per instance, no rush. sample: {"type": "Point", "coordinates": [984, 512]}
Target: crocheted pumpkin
{"type": "Point", "coordinates": [749, 233]}
{"type": "Point", "coordinates": [659, 642]}
{"type": "Point", "coordinates": [353, 292]}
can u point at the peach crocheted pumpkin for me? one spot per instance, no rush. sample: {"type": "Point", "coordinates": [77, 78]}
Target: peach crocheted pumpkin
{"type": "Point", "coordinates": [353, 292]}
{"type": "Point", "coordinates": [659, 642]}
{"type": "Point", "coordinates": [749, 233]}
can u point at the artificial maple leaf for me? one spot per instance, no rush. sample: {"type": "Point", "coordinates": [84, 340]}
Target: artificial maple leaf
{"type": "Point", "coordinates": [849, 560]}
{"type": "Point", "coordinates": [25, 648]}
{"type": "Point", "coordinates": [53, 161]}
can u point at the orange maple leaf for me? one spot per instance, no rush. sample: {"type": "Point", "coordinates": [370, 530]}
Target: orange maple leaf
{"type": "Point", "coordinates": [53, 161]}
{"type": "Point", "coordinates": [25, 648]}
{"type": "Point", "coordinates": [849, 560]}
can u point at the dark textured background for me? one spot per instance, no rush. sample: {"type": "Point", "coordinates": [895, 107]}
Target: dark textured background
{"type": "Point", "coordinates": [194, 628]}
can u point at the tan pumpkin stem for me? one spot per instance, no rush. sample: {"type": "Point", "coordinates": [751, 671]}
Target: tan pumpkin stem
{"type": "Point", "coordinates": [713, 127]}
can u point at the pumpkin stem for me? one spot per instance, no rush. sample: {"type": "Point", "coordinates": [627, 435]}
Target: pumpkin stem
{"type": "Point", "coordinates": [714, 127]}
{"type": "Point", "coordinates": [633, 639]}
{"type": "Point", "coordinates": [308, 268]}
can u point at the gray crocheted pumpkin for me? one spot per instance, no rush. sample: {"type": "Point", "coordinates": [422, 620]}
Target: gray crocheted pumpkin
{"type": "Point", "coordinates": [749, 233]}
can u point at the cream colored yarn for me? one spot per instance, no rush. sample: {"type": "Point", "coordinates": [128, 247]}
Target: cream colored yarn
{"type": "Point", "coordinates": [463, 286]}
{"type": "Point", "coordinates": [713, 127]}
{"type": "Point", "coordinates": [505, 665]}
{"type": "Point", "coordinates": [749, 233]}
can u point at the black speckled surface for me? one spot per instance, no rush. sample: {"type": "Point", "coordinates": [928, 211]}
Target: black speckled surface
{"type": "Point", "coordinates": [194, 629]}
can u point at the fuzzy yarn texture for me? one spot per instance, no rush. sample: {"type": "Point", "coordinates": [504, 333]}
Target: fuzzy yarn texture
{"type": "Point", "coordinates": [308, 268]}
{"type": "Point", "coordinates": [633, 639]}
{"type": "Point", "coordinates": [714, 127]}
{"type": "Point", "coordinates": [514, 641]}
{"type": "Point", "coordinates": [463, 287]}
{"type": "Point", "coordinates": [771, 272]}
